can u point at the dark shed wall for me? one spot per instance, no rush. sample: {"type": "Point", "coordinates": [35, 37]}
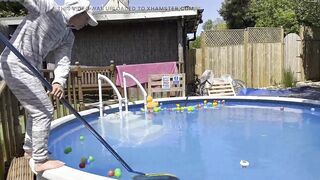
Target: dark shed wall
{"type": "Point", "coordinates": [126, 43]}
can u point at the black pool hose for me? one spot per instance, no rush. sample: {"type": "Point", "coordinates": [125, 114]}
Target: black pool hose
{"type": "Point", "coordinates": [66, 104]}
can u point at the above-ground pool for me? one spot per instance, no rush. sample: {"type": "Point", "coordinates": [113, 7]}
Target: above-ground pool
{"type": "Point", "coordinates": [279, 137]}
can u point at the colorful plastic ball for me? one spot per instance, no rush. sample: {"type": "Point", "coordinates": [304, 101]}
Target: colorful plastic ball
{"type": "Point", "coordinates": [156, 109]}
{"type": "Point", "coordinates": [215, 103]}
{"type": "Point", "coordinates": [83, 160]}
{"type": "Point", "coordinates": [110, 173]}
{"type": "Point", "coordinates": [142, 110]}
{"type": "Point", "coordinates": [82, 165]}
{"type": "Point", "coordinates": [81, 138]}
{"type": "Point", "coordinates": [91, 159]}
{"type": "Point", "coordinates": [67, 150]}
{"type": "Point", "coordinates": [117, 172]}
{"type": "Point", "coordinates": [190, 109]}
{"type": "Point", "coordinates": [88, 161]}
{"type": "Point", "coordinates": [205, 102]}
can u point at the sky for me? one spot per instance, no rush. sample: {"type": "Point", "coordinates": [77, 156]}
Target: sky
{"type": "Point", "coordinates": [210, 7]}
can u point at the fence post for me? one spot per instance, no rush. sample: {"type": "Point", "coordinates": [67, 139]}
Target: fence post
{"type": "Point", "coordinates": [247, 70]}
{"type": "Point", "coordinates": [203, 50]}
{"type": "Point", "coordinates": [282, 54]}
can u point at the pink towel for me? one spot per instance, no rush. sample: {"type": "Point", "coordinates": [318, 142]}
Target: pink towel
{"type": "Point", "coordinates": [142, 71]}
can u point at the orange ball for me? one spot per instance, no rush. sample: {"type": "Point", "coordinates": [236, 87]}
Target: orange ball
{"type": "Point", "coordinates": [111, 173]}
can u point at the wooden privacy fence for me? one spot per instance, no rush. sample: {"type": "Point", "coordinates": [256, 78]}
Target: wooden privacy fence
{"type": "Point", "coordinates": [293, 56]}
{"type": "Point", "coordinates": [11, 132]}
{"type": "Point", "coordinates": [254, 55]}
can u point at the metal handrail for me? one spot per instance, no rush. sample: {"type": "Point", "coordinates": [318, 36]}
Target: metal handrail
{"type": "Point", "coordinates": [140, 86]}
{"type": "Point", "coordinates": [100, 77]}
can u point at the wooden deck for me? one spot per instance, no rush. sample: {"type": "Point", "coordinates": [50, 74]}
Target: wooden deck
{"type": "Point", "coordinates": [20, 170]}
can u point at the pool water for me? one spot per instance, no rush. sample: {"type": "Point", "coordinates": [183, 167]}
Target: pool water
{"type": "Point", "coordinates": [280, 141]}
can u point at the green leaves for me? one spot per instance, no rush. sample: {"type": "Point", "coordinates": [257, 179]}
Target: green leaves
{"type": "Point", "coordinates": [196, 44]}
{"type": "Point", "coordinates": [289, 14]}
{"type": "Point", "coordinates": [274, 13]}
{"type": "Point", "coordinates": [235, 13]}
{"type": "Point", "coordinates": [308, 13]}
{"type": "Point", "coordinates": [11, 9]}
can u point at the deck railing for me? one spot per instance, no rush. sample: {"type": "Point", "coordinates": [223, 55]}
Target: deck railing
{"type": "Point", "coordinates": [12, 120]}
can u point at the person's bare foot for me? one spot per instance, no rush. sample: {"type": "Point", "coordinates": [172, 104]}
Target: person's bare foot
{"type": "Point", "coordinates": [27, 155]}
{"type": "Point", "coordinates": [50, 164]}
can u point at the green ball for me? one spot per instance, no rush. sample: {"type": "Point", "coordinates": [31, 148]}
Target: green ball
{"type": "Point", "coordinates": [83, 160]}
{"type": "Point", "coordinates": [91, 159]}
{"type": "Point", "coordinates": [67, 150]}
{"type": "Point", "coordinates": [117, 172]}
{"type": "Point", "coordinates": [81, 138]}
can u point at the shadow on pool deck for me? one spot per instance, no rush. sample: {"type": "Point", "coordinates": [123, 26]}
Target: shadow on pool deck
{"type": "Point", "coordinates": [305, 92]}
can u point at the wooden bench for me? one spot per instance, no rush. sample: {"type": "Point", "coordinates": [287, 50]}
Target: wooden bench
{"type": "Point", "coordinates": [81, 80]}
{"type": "Point", "coordinates": [20, 170]}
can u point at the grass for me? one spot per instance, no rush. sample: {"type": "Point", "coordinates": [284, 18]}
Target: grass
{"type": "Point", "coordinates": [288, 79]}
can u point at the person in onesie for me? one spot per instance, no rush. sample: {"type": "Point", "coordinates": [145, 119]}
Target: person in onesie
{"type": "Point", "coordinates": [46, 28]}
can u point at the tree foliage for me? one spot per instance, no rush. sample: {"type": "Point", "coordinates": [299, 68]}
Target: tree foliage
{"type": "Point", "coordinates": [289, 14]}
{"type": "Point", "coordinates": [275, 13]}
{"type": "Point", "coordinates": [218, 23]}
{"type": "Point", "coordinates": [235, 13]}
{"type": "Point", "coordinates": [308, 13]}
{"type": "Point", "coordinates": [11, 9]}
{"type": "Point", "coordinates": [196, 44]}
{"type": "Point", "coordinates": [208, 25]}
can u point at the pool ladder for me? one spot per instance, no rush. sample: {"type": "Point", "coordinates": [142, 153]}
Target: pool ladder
{"type": "Point", "coordinates": [122, 100]}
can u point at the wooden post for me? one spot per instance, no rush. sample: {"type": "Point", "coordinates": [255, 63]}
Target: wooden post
{"type": "Point", "coordinates": [71, 76]}
{"type": "Point", "coordinates": [17, 128]}
{"type": "Point", "coordinates": [10, 121]}
{"type": "Point", "coordinates": [113, 69]}
{"type": "Point", "coordinates": [180, 44]}
{"type": "Point", "coordinates": [203, 46]}
{"type": "Point", "coordinates": [245, 58]}
{"type": "Point", "coordinates": [282, 55]}
{"type": "Point", "coordinates": [4, 117]}
{"type": "Point", "coordinates": [303, 52]}
{"type": "Point", "coordinates": [2, 166]}
{"type": "Point", "coordinates": [79, 79]}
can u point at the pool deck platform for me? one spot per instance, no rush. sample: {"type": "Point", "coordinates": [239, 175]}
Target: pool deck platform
{"type": "Point", "coordinates": [20, 170]}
